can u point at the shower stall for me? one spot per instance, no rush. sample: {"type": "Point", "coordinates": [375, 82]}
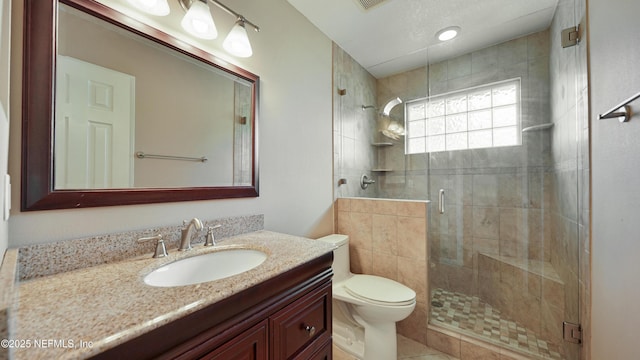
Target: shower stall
{"type": "Point", "coordinates": [497, 140]}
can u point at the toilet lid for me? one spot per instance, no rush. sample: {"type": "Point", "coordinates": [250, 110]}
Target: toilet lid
{"type": "Point", "coordinates": [381, 290]}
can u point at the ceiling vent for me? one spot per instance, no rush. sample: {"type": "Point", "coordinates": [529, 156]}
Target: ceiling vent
{"type": "Point", "coordinates": [368, 4]}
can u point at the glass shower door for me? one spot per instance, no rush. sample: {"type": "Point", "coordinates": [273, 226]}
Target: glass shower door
{"type": "Point", "coordinates": [505, 220]}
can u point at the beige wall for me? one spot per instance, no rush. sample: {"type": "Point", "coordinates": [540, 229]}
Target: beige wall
{"type": "Point", "coordinates": [614, 50]}
{"type": "Point", "coordinates": [295, 156]}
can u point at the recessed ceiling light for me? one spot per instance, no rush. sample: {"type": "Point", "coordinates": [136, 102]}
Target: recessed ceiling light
{"type": "Point", "coordinates": [448, 33]}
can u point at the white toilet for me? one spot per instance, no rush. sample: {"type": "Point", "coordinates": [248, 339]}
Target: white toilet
{"type": "Point", "coordinates": [366, 308]}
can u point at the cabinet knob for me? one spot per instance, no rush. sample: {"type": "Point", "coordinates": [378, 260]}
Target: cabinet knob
{"type": "Point", "coordinates": [310, 329]}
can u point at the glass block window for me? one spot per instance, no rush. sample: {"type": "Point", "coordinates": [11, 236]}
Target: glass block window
{"type": "Point", "coordinates": [479, 117]}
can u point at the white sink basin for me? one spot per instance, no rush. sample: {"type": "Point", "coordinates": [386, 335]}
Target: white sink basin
{"type": "Point", "coordinates": [205, 267]}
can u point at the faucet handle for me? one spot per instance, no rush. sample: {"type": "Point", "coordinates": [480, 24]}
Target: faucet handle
{"type": "Point", "coordinates": [161, 250]}
{"type": "Point", "coordinates": [211, 241]}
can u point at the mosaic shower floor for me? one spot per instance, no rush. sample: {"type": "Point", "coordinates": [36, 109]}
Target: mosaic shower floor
{"type": "Point", "coordinates": [470, 315]}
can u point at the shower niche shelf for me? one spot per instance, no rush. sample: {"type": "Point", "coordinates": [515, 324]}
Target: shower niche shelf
{"type": "Point", "coordinates": [380, 145]}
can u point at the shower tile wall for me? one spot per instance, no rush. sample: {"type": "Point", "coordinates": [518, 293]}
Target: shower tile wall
{"type": "Point", "coordinates": [353, 128]}
{"type": "Point", "coordinates": [527, 205]}
{"type": "Point", "coordinates": [497, 199]}
{"type": "Point", "coordinates": [388, 238]}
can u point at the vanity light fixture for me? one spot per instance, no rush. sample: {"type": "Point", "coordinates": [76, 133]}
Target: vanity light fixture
{"type": "Point", "coordinates": [237, 42]}
{"type": "Point", "coordinates": [202, 25]}
{"type": "Point", "coordinates": [198, 21]}
{"type": "Point", "coordinates": [448, 33]}
{"type": "Point", "coordinates": [153, 7]}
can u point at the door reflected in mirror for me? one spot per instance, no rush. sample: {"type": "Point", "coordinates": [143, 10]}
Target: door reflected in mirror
{"type": "Point", "coordinates": [101, 88]}
{"type": "Point", "coordinates": [118, 94]}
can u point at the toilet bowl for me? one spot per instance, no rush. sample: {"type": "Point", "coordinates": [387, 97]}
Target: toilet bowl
{"type": "Point", "coordinates": [366, 307]}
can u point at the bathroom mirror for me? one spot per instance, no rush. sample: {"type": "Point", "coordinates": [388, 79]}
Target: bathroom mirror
{"type": "Point", "coordinates": [178, 140]}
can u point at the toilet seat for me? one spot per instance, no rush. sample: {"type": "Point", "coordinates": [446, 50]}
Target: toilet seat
{"type": "Point", "coordinates": [378, 290]}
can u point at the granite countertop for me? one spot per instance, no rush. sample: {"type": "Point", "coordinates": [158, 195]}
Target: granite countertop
{"type": "Point", "coordinates": [83, 312]}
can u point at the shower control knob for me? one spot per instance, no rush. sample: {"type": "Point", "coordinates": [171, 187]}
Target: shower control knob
{"type": "Point", "coordinates": [365, 181]}
{"type": "Point", "coordinates": [311, 330]}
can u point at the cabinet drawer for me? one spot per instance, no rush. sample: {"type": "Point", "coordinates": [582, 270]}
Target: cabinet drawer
{"type": "Point", "coordinates": [303, 327]}
{"type": "Point", "coordinates": [252, 344]}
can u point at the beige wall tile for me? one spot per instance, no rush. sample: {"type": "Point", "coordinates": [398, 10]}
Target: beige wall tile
{"type": "Point", "coordinates": [553, 292]}
{"type": "Point", "coordinates": [385, 265]}
{"type": "Point", "coordinates": [415, 326]}
{"type": "Point", "coordinates": [486, 246]}
{"type": "Point", "coordinates": [343, 204]}
{"type": "Point", "coordinates": [460, 220]}
{"type": "Point", "coordinates": [385, 234]}
{"type": "Point", "coordinates": [385, 244]}
{"type": "Point", "coordinates": [485, 190]}
{"type": "Point", "coordinates": [471, 350]}
{"type": "Point", "coordinates": [510, 192]}
{"type": "Point", "coordinates": [486, 222]}
{"type": "Point", "coordinates": [362, 205]}
{"type": "Point", "coordinates": [345, 225]}
{"type": "Point", "coordinates": [443, 342]}
{"type": "Point", "coordinates": [386, 207]}
{"type": "Point", "coordinates": [412, 238]}
{"type": "Point", "coordinates": [509, 355]}
{"type": "Point", "coordinates": [361, 229]}
{"type": "Point", "coordinates": [413, 273]}
{"type": "Point", "coordinates": [412, 209]}
{"type": "Point", "coordinates": [361, 260]}
{"type": "Point", "coordinates": [552, 318]}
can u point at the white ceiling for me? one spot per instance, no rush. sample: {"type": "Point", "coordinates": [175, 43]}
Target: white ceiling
{"type": "Point", "coordinates": [399, 35]}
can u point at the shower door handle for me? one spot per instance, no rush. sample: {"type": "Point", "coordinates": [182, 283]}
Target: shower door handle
{"type": "Point", "coordinates": [441, 201]}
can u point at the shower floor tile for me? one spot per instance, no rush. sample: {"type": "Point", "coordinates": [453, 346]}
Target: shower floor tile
{"type": "Point", "coordinates": [472, 316]}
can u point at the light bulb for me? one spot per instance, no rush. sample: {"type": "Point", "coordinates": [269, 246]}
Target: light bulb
{"type": "Point", "coordinates": [237, 42]}
{"type": "Point", "coordinates": [447, 34]}
{"type": "Point", "coordinates": [153, 7]}
{"type": "Point", "coordinates": [198, 21]}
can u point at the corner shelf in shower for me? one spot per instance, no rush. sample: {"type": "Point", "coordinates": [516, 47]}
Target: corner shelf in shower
{"type": "Point", "coordinates": [381, 144]}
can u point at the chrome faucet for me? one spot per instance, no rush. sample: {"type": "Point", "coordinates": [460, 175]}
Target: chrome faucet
{"type": "Point", "coordinates": [185, 240]}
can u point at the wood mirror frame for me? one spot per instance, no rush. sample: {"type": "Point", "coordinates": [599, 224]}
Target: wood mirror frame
{"type": "Point", "coordinates": [38, 103]}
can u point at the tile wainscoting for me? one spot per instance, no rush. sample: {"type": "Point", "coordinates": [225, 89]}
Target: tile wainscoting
{"type": "Point", "coordinates": [388, 238]}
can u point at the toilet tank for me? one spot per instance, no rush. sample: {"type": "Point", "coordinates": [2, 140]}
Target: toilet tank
{"type": "Point", "coordinates": [341, 267]}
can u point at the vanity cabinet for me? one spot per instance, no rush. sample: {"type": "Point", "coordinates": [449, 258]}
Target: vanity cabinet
{"type": "Point", "coordinates": [301, 323]}
{"type": "Point", "coordinates": [287, 317]}
{"type": "Point", "coordinates": [250, 345]}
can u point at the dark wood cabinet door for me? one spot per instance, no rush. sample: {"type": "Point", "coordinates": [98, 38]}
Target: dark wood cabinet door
{"type": "Point", "coordinates": [303, 327]}
{"type": "Point", "coordinates": [250, 345]}
{"type": "Point", "coordinates": [325, 353]}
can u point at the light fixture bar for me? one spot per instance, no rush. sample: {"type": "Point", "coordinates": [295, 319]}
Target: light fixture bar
{"type": "Point", "coordinates": [240, 17]}
{"type": "Point", "coordinates": [186, 4]}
